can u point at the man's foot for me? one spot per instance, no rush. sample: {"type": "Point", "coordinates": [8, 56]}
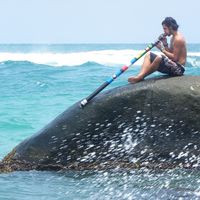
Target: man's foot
{"type": "Point", "coordinates": [135, 79]}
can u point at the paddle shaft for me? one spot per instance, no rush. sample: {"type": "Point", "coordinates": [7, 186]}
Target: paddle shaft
{"type": "Point", "coordinates": [85, 101]}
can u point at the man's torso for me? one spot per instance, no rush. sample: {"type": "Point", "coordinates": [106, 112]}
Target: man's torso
{"type": "Point", "coordinates": [182, 53]}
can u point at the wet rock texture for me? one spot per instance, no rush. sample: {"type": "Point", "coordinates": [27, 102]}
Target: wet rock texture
{"type": "Point", "coordinates": [154, 124]}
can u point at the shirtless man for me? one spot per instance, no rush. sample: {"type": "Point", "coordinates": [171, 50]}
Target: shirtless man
{"type": "Point", "coordinates": [174, 57]}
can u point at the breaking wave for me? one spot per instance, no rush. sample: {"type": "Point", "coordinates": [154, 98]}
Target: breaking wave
{"type": "Point", "coordinates": [102, 57]}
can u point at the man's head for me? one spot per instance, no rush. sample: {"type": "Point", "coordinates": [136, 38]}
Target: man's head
{"type": "Point", "coordinates": [169, 25]}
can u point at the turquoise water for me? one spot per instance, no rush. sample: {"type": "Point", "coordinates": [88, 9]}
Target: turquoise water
{"type": "Point", "coordinates": [38, 82]}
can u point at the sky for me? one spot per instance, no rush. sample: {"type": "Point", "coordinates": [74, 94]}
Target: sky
{"type": "Point", "coordinates": [94, 21]}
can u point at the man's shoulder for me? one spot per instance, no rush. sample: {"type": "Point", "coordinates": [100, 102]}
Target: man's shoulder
{"type": "Point", "coordinates": [179, 39]}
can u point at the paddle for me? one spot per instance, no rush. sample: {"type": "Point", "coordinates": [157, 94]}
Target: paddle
{"type": "Point", "coordinates": [85, 101]}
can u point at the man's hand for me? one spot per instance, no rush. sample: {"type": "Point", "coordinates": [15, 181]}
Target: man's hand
{"type": "Point", "coordinates": [162, 36]}
{"type": "Point", "coordinates": [160, 46]}
{"type": "Point", "coordinates": [163, 39]}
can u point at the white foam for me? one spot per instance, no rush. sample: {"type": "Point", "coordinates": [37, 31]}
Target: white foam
{"type": "Point", "coordinates": [193, 59]}
{"type": "Point", "coordinates": [197, 54]}
{"type": "Point", "coordinates": [104, 57]}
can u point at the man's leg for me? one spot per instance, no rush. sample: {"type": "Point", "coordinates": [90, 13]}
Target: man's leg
{"type": "Point", "coordinates": [146, 69]}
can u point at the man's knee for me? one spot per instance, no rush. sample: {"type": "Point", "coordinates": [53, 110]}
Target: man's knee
{"type": "Point", "coordinates": [158, 59]}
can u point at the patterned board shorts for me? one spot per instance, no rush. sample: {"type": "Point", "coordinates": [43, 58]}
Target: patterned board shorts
{"type": "Point", "coordinates": [167, 66]}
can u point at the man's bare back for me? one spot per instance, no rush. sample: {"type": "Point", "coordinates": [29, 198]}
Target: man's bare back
{"type": "Point", "coordinates": [178, 48]}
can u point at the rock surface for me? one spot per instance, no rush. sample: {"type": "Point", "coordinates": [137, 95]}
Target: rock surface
{"type": "Point", "coordinates": [154, 124]}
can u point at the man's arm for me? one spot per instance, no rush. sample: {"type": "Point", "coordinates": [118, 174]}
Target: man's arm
{"type": "Point", "coordinates": [167, 48]}
{"type": "Point", "coordinates": [178, 44]}
{"type": "Point", "coordinates": [165, 44]}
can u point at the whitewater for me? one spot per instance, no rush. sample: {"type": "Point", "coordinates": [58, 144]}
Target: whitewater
{"type": "Point", "coordinates": [103, 57]}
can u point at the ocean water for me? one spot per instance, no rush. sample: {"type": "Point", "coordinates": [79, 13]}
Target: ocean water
{"type": "Point", "coordinates": [38, 82]}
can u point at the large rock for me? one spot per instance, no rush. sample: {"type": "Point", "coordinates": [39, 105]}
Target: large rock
{"type": "Point", "coordinates": [154, 123]}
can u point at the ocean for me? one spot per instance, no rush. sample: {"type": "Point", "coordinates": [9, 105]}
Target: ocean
{"type": "Point", "coordinates": [38, 82]}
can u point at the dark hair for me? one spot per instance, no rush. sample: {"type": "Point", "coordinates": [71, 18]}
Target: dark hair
{"type": "Point", "coordinates": [170, 22]}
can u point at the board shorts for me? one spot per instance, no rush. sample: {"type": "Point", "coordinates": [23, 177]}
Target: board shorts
{"type": "Point", "coordinates": [168, 66]}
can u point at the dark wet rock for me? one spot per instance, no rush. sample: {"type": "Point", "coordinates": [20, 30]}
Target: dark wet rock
{"type": "Point", "coordinates": [154, 124]}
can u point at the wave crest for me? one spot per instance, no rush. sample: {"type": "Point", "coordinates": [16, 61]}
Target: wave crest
{"type": "Point", "coordinates": [102, 57]}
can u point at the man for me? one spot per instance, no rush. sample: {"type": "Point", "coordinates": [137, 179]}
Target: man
{"type": "Point", "coordinates": [174, 56]}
